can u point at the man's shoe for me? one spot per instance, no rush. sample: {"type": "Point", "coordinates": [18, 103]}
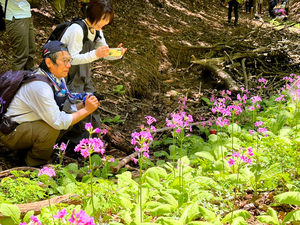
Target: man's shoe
{"type": "Point", "coordinates": [235, 23]}
{"type": "Point", "coordinates": [228, 21]}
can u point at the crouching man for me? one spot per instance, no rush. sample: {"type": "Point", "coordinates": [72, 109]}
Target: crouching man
{"type": "Point", "coordinates": [41, 123]}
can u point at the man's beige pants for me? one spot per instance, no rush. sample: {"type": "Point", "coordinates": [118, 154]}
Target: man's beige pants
{"type": "Point", "coordinates": [36, 136]}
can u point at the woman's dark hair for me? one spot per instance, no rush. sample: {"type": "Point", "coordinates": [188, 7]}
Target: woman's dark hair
{"type": "Point", "coordinates": [100, 9]}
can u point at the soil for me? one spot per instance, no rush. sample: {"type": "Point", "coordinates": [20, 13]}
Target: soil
{"type": "Point", "coordinates": [156, 70]}
{"type": "Point", "coordinates": [163, 37]}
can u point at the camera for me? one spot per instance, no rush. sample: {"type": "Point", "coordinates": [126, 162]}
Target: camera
{"type": "Point", "coordinates": [100, 97]}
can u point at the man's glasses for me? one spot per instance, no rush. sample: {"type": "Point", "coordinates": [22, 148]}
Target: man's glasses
{"type": "Point", "coordinates": [67, 61]}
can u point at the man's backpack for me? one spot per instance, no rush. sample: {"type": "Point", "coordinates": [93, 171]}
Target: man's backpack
{"type": "Point", "coordinates": [11, 81]}
{"type": "Point", "coordinates": [59, 31]}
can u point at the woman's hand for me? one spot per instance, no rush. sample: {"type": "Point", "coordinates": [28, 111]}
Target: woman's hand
{"type": "Point", "coordinates": [123, 49]}
{"type": "Point", "coordinates": [102, 51]}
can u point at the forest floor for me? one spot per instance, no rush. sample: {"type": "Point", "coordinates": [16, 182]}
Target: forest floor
{"type": "Point", "coordinates": [162, 37]}
{"type": "Point", "coordinates": [156, 70]}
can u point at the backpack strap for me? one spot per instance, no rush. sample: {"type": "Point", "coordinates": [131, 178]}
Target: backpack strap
{"type": "Point", "coordinates": [5, 8]}
{"type": "Point", "coordinates": [84, 27]}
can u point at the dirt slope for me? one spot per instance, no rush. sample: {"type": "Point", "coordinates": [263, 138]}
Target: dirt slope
{"type": "Point", "coordinates": [155, 72]}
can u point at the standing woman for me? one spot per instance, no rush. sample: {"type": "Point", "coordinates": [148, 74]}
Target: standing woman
{"type": "Point", "coordinates": [99, 14]}
{"type": "Point", "coordinates": [19, 28]}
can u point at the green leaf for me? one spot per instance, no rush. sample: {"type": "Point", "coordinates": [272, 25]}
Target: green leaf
{"type": "Point", "coordinates": [199, 223]}
{"type": "Point", "coordinates": [124, 202]}
{"type": "Point", "coordinates": [189, 213]}
{"type": "Point", "coordinates": [27, 216]}
{"type": "Point", "coordinates": [169, 199]}
{"type": "Point", "coordinates": [234, 128]}
{"type": "Point", "coordinates": [272, 212]}
{"type": "Point", "coordinates": [153, 183]}
{"type": "Point", "coordinates": [267, 219]}
{"type": "Point", "coordinates": [7, 221]}
{"type": "Point", "coordinates": [205, 155]}
{"type": "Point", "coordinates": [238, 213]}
{"type": "Point", "coordinates": [208, 102]}
{"type": "Point", "coordinates": [239, 221]}
{"type": "Point", "coordinates": [289, 198]}
{"type": "Point", "coordinates": [12, 211]}
{"type": "Point", "coordinates": [168, 221]}
{"type": "Point", "coordinates": [161, 210]}
{"type": "Point", "coordinates": [207, 214]}
{"type": "Point", "coordinates": [291, 217]}
{"type": "Point", "coordinates": [96, 160]}
{"type": "Point", "coordinates": [72, 167]}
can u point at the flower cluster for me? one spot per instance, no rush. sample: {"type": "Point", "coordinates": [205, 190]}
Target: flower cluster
{"type": "Point", "coordinates": [62, 147]}
{"type": "Point", "coordinates": [245, 157]}
{"type": "Point", "coordinates": [261, 130]}
{"type": "Point", "coordinates": [180, 120]}
{"type": "Point", "coordinates": [87, 146]}
{"type": "Point", "coordinates": [79, 218]}
{"type": "Point", "coordinates": [142, 139]}
{"type": "Point", "coordinates": [47, 171]}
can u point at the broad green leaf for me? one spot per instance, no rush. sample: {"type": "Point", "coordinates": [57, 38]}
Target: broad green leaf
{"type": "Point", "coordinates": [189, 213]}
{"type": "Point", "coordinates": [213, 138]}
{"type": "Point", "coordinates": [207, 214]}
{"type": "Point", "coordinates": [153, 183]}
{"type": "Point", "coordinates": [267, 219]}
{"type": "Point", "coordinates": [205, 181]}
{"type": "Point", "coordinates": [161, 210]}
{"type": "Point", "coordinates": [272, 212]}
{"type": "Point", "coordinates": [169, 199]}
{"type": "Point", "coordinates": [70, 176]}
{"type": "Point", "coordinates": [70, 188]}
{"type": "Point", "coordinates": [72, 167]}
{"type": "Point", "coordinates": [199, 223]}
{"type": "Point", "coordinates": [12, 211]}
{"type": "Point", "coordinates": [292, 197]}
{"type": "Point", "coordinates": [124, 179]}
{"type": "Point", "coordinates": [292, 216]}
{"type": "Point", "coordinates": [124, 202]}
{"type": "Point", "coordinates": [152, 173]}
{"type": "Point", "coordinates": [239, 221]}
{"type": "Point", "coordinates": [238, 213]}
{"type": "Point", "coordinates": [168, 221]}
{"type": "Point", "coordinates": [27, 216]}
{"type": "Point", "coordinates": [96, 160]}
{"type": "Point", "coordinates": [205, 155]}
{"type": "Point", "coordinates": [7, 221]}
{"type": "Point", "coordinates": [234, 128]}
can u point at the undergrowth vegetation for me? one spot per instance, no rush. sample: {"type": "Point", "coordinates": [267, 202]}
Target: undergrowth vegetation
{"type": "Point", "coordinates": [251, 145]}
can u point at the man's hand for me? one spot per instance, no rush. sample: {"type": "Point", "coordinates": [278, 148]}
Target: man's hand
{"type": "Point", "coordinates": [91, 103]}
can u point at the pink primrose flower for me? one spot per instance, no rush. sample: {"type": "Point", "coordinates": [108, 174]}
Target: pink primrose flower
{"type": "Point", "coordinates": [150, 120]}
{"type": "Point", "coordinates": [236, 154]}
{"type": "Point", "coordinates": [61, 215]}
{"type": "Point", "coordinates": [134, 160]}
{"type": "Point", "coordinates": [63, 147]}
{"type": "Point", "coordinates": [231, 162]}
{"type": "Point", "coordinates": [34, 220]}
{"type": "Point", "coordinates": [85, 153]}
{"type": "Point", "coordinates": [258, 123]}
{"type": "Point", "coordinates": [88, 127]}
{"type": "Point", "coordinates": [49, 172]}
